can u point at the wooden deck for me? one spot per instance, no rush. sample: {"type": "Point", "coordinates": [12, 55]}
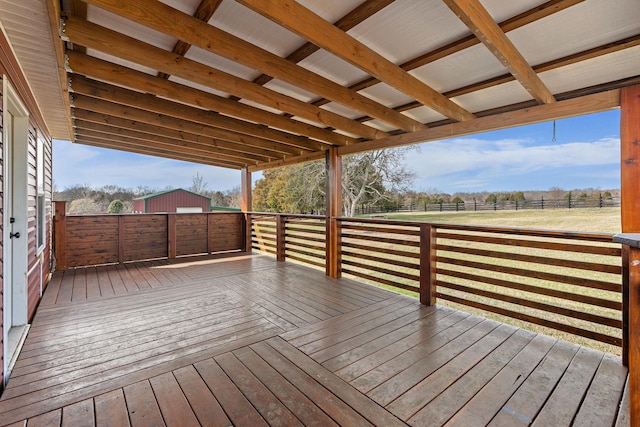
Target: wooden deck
{"type": "Point", "coordinates": [245, 340]}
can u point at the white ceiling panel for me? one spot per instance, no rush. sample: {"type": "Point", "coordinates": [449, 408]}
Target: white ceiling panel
{"type": "Point", "coordinates": [219, 63]}
{"type": "Point", "coordinates": [493, 97]}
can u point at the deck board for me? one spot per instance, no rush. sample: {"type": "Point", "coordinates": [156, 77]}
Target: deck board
{"type": "Point", "coordinates": [245, 340]}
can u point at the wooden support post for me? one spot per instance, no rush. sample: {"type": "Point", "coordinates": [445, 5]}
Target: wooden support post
{"type": "Point", "coordinates": [171, 236]}
{"type": "Point", "coordinates": [334, 210]}
{"type": "Point", "coordinates": [121, 233]}
{"type": "Point", "coordinates": [246, 206]}
{"type": "Point", "coordinates": [427, 264]}
{"type": "Point", "coordinates": [60, 235]}
{"type": "Point", "coordinates": [630, 215]}
{"type": "Point", "coordinates": [281, 248]}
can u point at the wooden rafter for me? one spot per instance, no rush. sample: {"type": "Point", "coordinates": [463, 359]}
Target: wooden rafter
{"type": "Point", "coordinates": [154, 129]}
{"type": "Point", "coordinates": [119, 45]}
{"type": "Point", "coordinates": [362, 12]}
{"type": "Point", "coordinates": [116, 144]}
{"type": "Point", "coordinates": [149, 141]}
{"type": "Point", "coordinates": [164, 18]}
{"type": "Point", "coordinates": [204, 12]}
{"type": "Point", "coordinates": [480, 22]}
{"type": "Point", "coordinates": [147, 102]}
{"type": "Point", "coordinates": [538, 12]}
{"type": "Point", "coordinates": [307, 24]}
{"type": "Point", "coordinates": [130, 113]}
{"type": "Point", "coordinates": [123, 76]}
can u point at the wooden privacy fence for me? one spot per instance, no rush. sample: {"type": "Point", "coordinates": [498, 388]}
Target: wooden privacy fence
{"type": "Point", "coordinates": [569, 282]}
{"type": "Point", "coordinates": [83, 240]}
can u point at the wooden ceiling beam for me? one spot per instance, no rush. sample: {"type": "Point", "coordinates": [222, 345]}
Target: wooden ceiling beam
{"type": "Point", "coordinates": [107, 132]}
{"type": "Point", "coordinates": [178, 135]}
{"type": "Point", "coordinates": [128, 48]}
{"type": "Point", "coordinates": [122, 76]}
{"type": "Point", "coordinates": [164, 18]}
{"type": "Point", "coordinates": [183, 146]}
{"type": "Point", "coordinates": [527, 17]}
{"type": "Point", "coordinates": [575, 58]}
{"type": "Point", "coordinates": [314, 28]}
{"type": "Point", "coordinates": [540, 113]}
{"type": "Point", "coordinates": [136, 148]}
{"type": "Point", "coordinates": [286, 162]}
{"type": "Point", "coordinates": [130, 113]}
{"type": "Point", "coordinates": [483, 26]}
{"type": "Point", "coordinates": [356, 16]}
{"type": "Point", "coordinates": [148, 102]}
{"type": "Point", "coordinates": [204, 12]}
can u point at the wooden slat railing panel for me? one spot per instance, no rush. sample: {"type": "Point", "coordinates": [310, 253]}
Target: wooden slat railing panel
{"type": "Point", "coordinates": [91, 240]}
{"type": "Point", "coordinates": [144, 237]}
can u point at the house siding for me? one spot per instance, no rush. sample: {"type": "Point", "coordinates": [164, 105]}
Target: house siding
{"type": "Point", "coordinates": [38, 263]}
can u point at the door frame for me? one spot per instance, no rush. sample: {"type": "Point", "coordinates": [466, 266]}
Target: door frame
{"type": "Point", "coordinates": [14, 148]}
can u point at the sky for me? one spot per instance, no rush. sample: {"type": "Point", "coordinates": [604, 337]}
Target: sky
{"type": "Point", "coordinates": [585, 154]}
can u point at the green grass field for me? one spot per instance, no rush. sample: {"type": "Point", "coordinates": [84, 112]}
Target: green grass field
{"type": "Point", "coordinates": [600, 220]}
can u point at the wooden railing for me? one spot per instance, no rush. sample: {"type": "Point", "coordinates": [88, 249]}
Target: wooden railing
{"type": "Point", "coordinates": [301, 238]}
{"type": "Point", "coordinates": [569, 282]}
{"type": "Point", "coordinates": [83, 240]}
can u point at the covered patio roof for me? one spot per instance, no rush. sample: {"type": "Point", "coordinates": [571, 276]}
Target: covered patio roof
{"type": "Point", "coordinates": [249, 84]}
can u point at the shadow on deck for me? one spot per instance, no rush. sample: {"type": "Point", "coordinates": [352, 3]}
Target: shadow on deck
{"type": "Point", "coordinates": [245, 340]}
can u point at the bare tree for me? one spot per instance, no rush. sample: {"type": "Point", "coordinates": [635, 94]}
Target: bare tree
{"type": "Point", "coordinates": [198, 184]}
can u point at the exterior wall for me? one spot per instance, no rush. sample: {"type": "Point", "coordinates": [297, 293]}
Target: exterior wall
{"type": "Point", "coordinates": [38, 262]}
{"type": "Point", "coordinates": [138, 206]}
{"type": "Point", "coordinates": [169, 202]}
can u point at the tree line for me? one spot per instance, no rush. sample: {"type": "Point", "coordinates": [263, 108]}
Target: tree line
{"type": "Point", "coordinates": [85, 199]}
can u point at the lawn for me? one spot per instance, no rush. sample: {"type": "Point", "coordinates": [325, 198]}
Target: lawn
{"type": "Point", "coordinates": [601, 220]}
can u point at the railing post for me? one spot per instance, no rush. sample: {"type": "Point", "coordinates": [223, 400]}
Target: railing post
{"type": "Point", "coordinates": [334, 209]}
{"type": "Point", "coordinates": [427, 264]}
{"type": "Point", "coordinates": [120, 239]}
{"type": "Point", "coordinates": [248, 232]}
{"type": "Point", "coordinates": [171, 236]}
{"type": "Point", "coordinates": [281, 249]}
{"type": "Point", "coordinates": [60, 235]}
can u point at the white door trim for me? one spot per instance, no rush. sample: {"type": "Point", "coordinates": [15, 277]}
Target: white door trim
{"type": "Point", "coordinates": [15, 271]}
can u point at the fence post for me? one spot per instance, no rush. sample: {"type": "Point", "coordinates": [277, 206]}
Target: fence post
{"type": "Point", "coordinates": [542, 202]}
{"type": "Point", "coordinates": [171, 236]}
{"type": "Point", "coordinates": [60, 235]}
{"type": "Point", "coordinates": [427, 264]}
{"type": "Point", "coordinates": [121, 234]}
{"type": "Point", "coordinates": [600, 200]}
{"type": "Point", "coordinates": [281, 253]}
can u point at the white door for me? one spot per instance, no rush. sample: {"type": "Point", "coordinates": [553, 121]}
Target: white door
{"type": "Point", "coordinates": [15, 146]}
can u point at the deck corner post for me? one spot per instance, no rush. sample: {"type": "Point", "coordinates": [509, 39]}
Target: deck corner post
{"type": "Point", "coordinates": [281, 241]}
{"type": "Point", "coordinates": [171, 236]}
{"type": "Point", "coordinates": [247, 227]}
{"type": "Point", "coordinates": [427, 264]}
{"type": "Point", "coordinates": [60, 235]}
{"type": "Point", "coordinates": [333, 211]}
{"type": "Point", "coordinates": [121, 236]}
{"type": "Point", "coordinates": [630, 210]}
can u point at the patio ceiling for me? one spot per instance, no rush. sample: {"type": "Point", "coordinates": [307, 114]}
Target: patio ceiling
{"type": "Point", "coordinates": [256, 84]}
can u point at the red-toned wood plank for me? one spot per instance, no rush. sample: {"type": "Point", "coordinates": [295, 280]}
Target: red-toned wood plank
{"type": "Point", "coordinates": [399, 384]}
{"type": "Point", "coordinates": [236, 405]}
{"type": "Point", "coordinates": [387, 335]}
{"type": "Point", "coordinates": [623, 418]}
{"type": "Point", "coordinates": [426, 390]}
{"type": "Point", "coordinates": [399, 362]}
{"type": "Point", "coordinates": [66, 287]}
{"type": "Point", "coordinates": [49, 419]}
{"type": "Point", "coordinates": [116, 281]}
{"type": "Point", "coordinates": [525, 403]}
{"type": "Point", "coordinates": [342, 390]}
{"type": "Point", "coordinates": [79, 414]}
{"type": "Point", "coordinates": [172, 402]}
{"type": "Point", "coordinates": [271, 409]}
{"type": "Point", "coordinates": [104, 282]}
{"type": "Point", "coordinates": [492, 397]}
{"type": "Point", "coordinates": [92, 285]}
{"type": "Point", "coordinates": [443, 407]}
{"type": "Point", "coordinates": [111, 409]}
{"type": "Point", "coordinates": [605, 391]}
{"type": "Point", "coordinates": [562, 405]}
{"type": "Point", "coordinates": [304, 409]}
{"type": "Point", "coordinates": [204, 404]}
{"type": "Point", "coordinates": [142, 406]}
